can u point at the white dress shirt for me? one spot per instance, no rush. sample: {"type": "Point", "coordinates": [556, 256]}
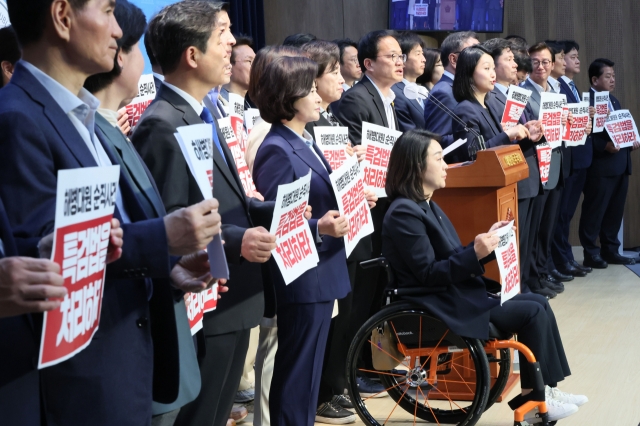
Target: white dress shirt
{"type": "Point", "coordinates": [387, 102]}
{"type": "Point", "coordinates": [193, 102]}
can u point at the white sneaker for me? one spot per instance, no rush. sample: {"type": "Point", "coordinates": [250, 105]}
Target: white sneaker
{"type": "Point", "coordinates": [557, 410]}
{"type": "Point", "coordinates": [558, 395]}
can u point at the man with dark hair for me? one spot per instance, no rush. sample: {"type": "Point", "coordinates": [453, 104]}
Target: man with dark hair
{"type": "Point", "coordinates": [581, 157]}
{"type": "Point", "coordinates": [242, 56]}
{"type": "Point", "coordinates": [194, 62]}
{"type": "Point", "coordinates": [605, 190]}
{"type": "Point", "coordinates": [536, 277]}
{"type": "Point", "coordinates": [349, 64]}
{"type": "Point", "coordinates": [63, 44]}
{"type": "Point", "coordinates": [524, 65]}
{"type": "Point", "coordinates": [9, 54]}
{"type": "Point", "coordinates": [297, 40]}
{"type": "Point", "coordinates": [441, 97]}
{"type": "Point", "coordinates": [158, 78]}
{"type": "Point", "coordinates": [410, 111]}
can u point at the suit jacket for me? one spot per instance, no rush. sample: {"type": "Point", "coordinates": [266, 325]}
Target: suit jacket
{"type": "Point", "coordinates": [46, 141]}
{"type": "Point", "coordinates": [482, 121]}
{"type": "Point", "coordinates": [243, 307]}
{"type": "Point", "coordinates": [582, 155]}
{"type": "Point", "coordinates": [435, 119]}
{"type": "Point", "coordinates": [532, 111]}
{"type": "Point", "coordinates": [605, 163]}
{"type": "Point", "coordinates": [410, 113]}
{"type": "Point", "coordinates": [146, 192]}
{"type": "Point", "coordinates": [361, 103]}
{"type": "Point", "coordinates": [19, 379]}
{"type": "Point", "coordinates": [531, 186]}
{"type": "Point", "coordinates": [424, 250]}
{"type": "Point", "coordinates": [282, 158]}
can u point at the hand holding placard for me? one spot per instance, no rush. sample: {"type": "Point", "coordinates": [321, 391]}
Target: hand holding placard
{"type": "Point", "coordinates": [191, 229]}
{"type": "Point", "coordinates": [257, 244]}
{"type": "Point", "coordinates": [507, 258]}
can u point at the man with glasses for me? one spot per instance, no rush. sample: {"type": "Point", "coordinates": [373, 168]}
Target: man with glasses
{"type": "Point", "coordinates": [349, 64]}
{"type": "Point", "coordinates": [410, 111]}
{"type": "Point", "coordinates": [242, 57]}
{"type": "Point", "coordinates": [435, 111]}
{"type": "Point", "coordinates": [372, 100]}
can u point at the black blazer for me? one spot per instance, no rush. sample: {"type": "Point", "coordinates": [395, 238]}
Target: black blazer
{"type": "Point", "coordinates": [483, 122]}
{"type": "Point", "coordinates": [531, 186]}
{"type": "Point", "coordinates": [424, 250]}
{"type": "Point", "coordinates": [243, 307]}
{"type": "Point", "coordinates": [605, 163]}
{"type": "Point", "coordinates": [362, 103]}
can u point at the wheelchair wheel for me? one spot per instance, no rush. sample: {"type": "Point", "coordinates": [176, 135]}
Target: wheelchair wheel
{"type": "Point", "coordinates": [430, 372]}
{"type": "Point", "coordinates": [499, 363]}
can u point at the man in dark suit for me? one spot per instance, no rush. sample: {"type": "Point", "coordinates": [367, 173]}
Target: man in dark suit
{"type": "Point", "coordinates": [56, 132]}
{"type": "Point", "coordinates": [410, 112]}
{"type": "Point", "coordinates": [158, 78]}
{"type": "Point", "coordinates": [605, 190]}
{"type": "Point", "coordinates": [191, 70]}
{"type": "Point", "coordinates": [441, 99]}
{"type": "Point", "coordinates": [561, 252]}
{"type": "Point", "coordinates": [539, 281]}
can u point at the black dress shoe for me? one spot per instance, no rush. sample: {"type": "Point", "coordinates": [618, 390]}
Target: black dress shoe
{"type": "Point", "coordinates": [549, 282]}
{"type": "Point", "coordinates": [561, 276]}
{"type": "Point", "coordinates": [549, 294]}
{"type": "Point", "coordinates": [580, 267]}
{"type": "Point", "coordinates": [595, 262]}
{"type": "Point", "coordinates": [569, 269]}
{"type": "Point", "coordinates": [616, 259]}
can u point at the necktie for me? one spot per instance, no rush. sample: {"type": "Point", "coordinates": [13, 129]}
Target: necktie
{"type": "Point", "coordinates": [574, 90]}
{"type": "Point", "coordinates": [330, 118]}
{"type": "Point", "coordinates": [208, 118]}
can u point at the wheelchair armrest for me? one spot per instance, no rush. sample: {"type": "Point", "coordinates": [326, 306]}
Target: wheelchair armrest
{"type": "Point", "coordinates": [411, 291]}
{"type": "Point", "coordinates": [371, 263]}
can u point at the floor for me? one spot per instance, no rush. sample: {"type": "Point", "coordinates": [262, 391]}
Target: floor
{"type": "Point", "coordinates": [599, 318]}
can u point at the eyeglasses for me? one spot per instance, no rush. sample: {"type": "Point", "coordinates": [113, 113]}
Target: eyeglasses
{"type": "Point", "coordinates": [544, 63]}
{"type": "Point", "coordinates": [395, 57]}
{"type": "Point", "coordinates": [353, 61]}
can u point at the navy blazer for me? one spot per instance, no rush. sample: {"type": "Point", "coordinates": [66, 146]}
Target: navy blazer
{"type": "Point", "coordinates": [605, 163]}
{"type": "Point", "coordinates": [424, 250]}
{"type": "Point", "coordinates": [532, 111]}
{"type": "Point", "coordinates": [283, 158]}
{"type": "Point", "coordinates": [19, 379]}
{"type": "Point", "coordinates": [531, 186]}
{"type": "Point", "coordinates": [116, 369]}
{"type": "Point", "coordinates": [582, 155]}
{"type": "Point", "coordinates": [435, 119]}
{"type": "Point", "coordinates": [410, 113]}
{"type": "Point", "coordinates": [482, 121]}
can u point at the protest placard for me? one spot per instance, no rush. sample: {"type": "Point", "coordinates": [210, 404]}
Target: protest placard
{"type": "Point", "coordinates": [251, 116]}
{"type": "Point", "coordinates": [566, 129]}
{"type": "Point", "coordinates": [577, 131]}
{"type": "Point", "coordinates": [85, 202]}
{"type": "Point", "coordinates": [551, 116]}
{"type": "Point", "coordinates": [586, 96]}
{"type": "Point", "coordinates": [348, 185]}
{"type": "Point", "coordinates": [622, 128]}
{"type": "Point", "coordinates": [507, 257]}
{"type": "Point", "coordinates": [226, 128]}
{"type": "Point", "coordinates": [421, 11]}
{"type": "Point", "coordinates": [378, 141]}
{"type": "Point", "coordinates": [295, 251]}
{"type": "Point", "coordinates": [332, 141]}
{"type": "Point", "coordinates": [4, 14]}
{"type": "Point", "coordinates": [601, 103]}
{"type": "Point", "coordinates": [544, 161]}
{"type": "Point", "coordinates": [236, 112]}
{"type": "Point", "coordinates": [516, 102]}
{"type": "Point", "coordinates": [146, 95]}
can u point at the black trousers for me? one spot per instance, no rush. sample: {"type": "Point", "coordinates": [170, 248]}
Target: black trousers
{"type": "Point", "coordinates": [302, 337]}
{"type": "Point", "coordinates": [536, 209]}
{"type": "Point", "coordinates": [561, 252]}
{"type": "Point", "coordinates": [524, 225]}
{"type": "Point", "coordinates": [544, 264]}
{"type": "Point", "coordinates": [220, 371]}
{"type": "Point", "coordinates": [602, 212]}
{"type": "Point", "coordinates": [532, 319]}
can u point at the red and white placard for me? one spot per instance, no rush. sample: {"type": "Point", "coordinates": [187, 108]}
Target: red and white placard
{"type": "Point", "coordinates": [507, 257]}
{"type": "Point", "coordinates": [378, 141]}
{"type": "Point", "coordinates": [516, 102]}
{"type": "Point", "coordinates": [622, 128]}
{"type": "Point", "coordinates": [332, 141]}
{"type": "Point", "coordinates": [146, 95]}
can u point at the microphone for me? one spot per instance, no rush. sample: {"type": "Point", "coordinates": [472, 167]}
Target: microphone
{"type": "Point", "coordinates": [413, 91]}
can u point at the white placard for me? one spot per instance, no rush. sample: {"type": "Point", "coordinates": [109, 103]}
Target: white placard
{"type": "Point", "coordinates": [226, 128]}
{"type": "Point", "coordinates": [622, 128]}
{"type": "Point", "coordinates": [550, 114]}
{"type": "Point", "coordinates": [348, 185]}
{"type": "Point", "coordinates": [85, 202]}
{"type": "Point", "coordinates": [251, 117]}
{"type": "Point", "coordinates": [457, 144]}
{"type": "Point", "coordinates": [601, 104]}
{"type": "Point", "coordinates": [295, 251]}
{"type": "Point", "coordinates": [4, 14]}
{"type": "Point", "coordinates": [332, 141]}
{"type": "Point", "coordinates": [507, 258]}
{"type": "Point", "coordinates": [576, 134]}
{"type": "Point", "coordinates": [378, 141]}
{"type": "Point", "coordinates": [516, 103]}
{"type": "Point", "coordinates": [146, 95]}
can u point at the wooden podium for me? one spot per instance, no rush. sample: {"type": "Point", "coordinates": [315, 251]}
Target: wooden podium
{"type": "Point", "coordinates": [478, 195]}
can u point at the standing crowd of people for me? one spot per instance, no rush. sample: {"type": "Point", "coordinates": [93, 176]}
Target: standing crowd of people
{"type": "Point", "coordinates": [69, 67]}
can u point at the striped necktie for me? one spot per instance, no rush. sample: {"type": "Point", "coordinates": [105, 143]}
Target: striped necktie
{"type": "Point", "coordinates": [574, 90]}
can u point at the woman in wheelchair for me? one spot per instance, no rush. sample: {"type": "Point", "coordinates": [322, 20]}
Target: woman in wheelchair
{"type": "Point", "coordinates": [423, 249]}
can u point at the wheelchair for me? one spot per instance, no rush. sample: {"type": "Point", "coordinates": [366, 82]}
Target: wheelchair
{"type": "Point", "coordinates": [432, 374]}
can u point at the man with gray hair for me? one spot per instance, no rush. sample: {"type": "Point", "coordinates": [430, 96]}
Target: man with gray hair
{"type": "Point", "coordinates": [435, 117]}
